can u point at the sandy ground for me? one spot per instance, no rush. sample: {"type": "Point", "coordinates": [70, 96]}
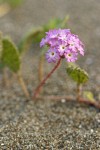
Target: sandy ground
{"type": "Point", "coordinates": [49, 124]}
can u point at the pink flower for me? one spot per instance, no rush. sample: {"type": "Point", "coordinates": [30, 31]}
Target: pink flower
{"type": "Point", "coordinates": [52, 55]}
{"type": "Point", "coordinates": [62, 48]}
{"type": "Point", "coordinates": [62, 44]}
{"type": "Point", "coordinates": [70, 56]}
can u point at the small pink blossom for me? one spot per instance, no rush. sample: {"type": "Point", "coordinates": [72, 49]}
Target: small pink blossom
{"type": "Point", "coordinates": [62, 44]}
{"type": "Point", "coordinates": [52, 55]}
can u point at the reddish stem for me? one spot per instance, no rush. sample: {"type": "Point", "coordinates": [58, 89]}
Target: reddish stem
{"type": "Point", "coordinates": [95, 103]}
{"type": "Point", "coordinates": [43, 81]}
{"type": "Point", "coordinates": [79, 91]}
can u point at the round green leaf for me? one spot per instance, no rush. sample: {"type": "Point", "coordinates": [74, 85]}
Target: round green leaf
{"type": "Point", "coordinates": [77, 74]}
{"type": "Point", "coordinates": [10, 55]}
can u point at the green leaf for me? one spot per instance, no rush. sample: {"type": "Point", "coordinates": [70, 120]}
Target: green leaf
{"type": "Point", "coordinates": [28, 39]}
{"type": "Point", "coordinates": [0, 44]}
{"type": "Point", "coordinates": [10, 55]}
{"type": "Point", "coordinates": [89, 95]}
{"type": "Point", "coordinates": [77, 74]}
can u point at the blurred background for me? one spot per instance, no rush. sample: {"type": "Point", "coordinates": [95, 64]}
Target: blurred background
{"type": "Point", "coordinates": [17, 17]}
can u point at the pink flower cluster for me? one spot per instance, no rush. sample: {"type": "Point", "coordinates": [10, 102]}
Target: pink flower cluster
{"type": "Point", "coordinates": [62, 44]}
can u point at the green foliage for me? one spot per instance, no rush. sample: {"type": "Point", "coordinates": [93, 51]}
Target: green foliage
{"type": "Point", "coordinates": [12, 3]}
{"type": "Point", "coordinates": [0, 44]}
{"type": "Point", "coordinates": [10, 55]}
{"type": "Point", "coordinates": [1, 48]}
{"type": "Point", "coordinates": [77, 74]}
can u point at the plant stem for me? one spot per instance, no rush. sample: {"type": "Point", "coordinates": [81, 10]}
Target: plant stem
{"type": "Point", "coordinates": [79, 90]}
{"type": "Point", "coordinates": [95, 103]}
{"type": "Point", "coordinates": [88, 102]}
{"type": "Point", "coordinates": [23, 85]}
{"type": "Point", "coordinates": [43, 81]}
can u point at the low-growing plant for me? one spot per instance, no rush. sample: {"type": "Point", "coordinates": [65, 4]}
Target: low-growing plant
{"type": "Point", "coordinates": [62, 44]}
{"type": "Point", "coordinates": [57, 45]}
